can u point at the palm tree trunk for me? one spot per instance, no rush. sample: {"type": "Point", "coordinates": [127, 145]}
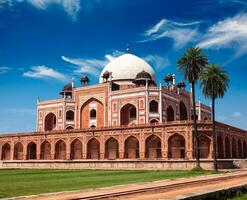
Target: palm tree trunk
{"type": "Point", "coordinates": [195, 134]}
{"type": "Point", "coordinates": [214, 135]}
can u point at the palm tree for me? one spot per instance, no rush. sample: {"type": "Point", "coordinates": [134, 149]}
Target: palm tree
{"type": "Point", "coordinates": [191, 64]}
{"type": "Point", "coordinates": [214, 82]}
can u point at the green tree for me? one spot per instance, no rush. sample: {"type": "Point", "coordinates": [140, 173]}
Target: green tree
{"type": "Point", "coordinates": [191, 64]}
{"type": "Point", "coordinates": [214, 83]}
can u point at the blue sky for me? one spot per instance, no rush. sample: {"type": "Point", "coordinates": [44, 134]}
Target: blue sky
{"type": "Point", "coordinates": [44, 43]}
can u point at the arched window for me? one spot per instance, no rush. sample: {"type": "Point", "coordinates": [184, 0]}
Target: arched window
{"type": "Point", "coordinates": [153, 147]}
{"type": "Point", "coordinates": [93, 113]}
{"type": "Point", "coordinates": [131, 147]}
{"type": "Point", "coordinates": [111, 149]}
{"type": "Point", "coordinates": [69, 127]}
{"type": "Point", "coordinates": [76, 149]}
{"type": "Point", "coordinates": [70, 115]}
{"type": "Point", "coordinates": [234, 148]}
{"type": "Point", "coordinates": [170, 114]}
{"type": "Point", "coordinates": [154, 121]}
{"type": "Point", "coordinates": [240, 152]}
{"type": "Point", "coordinates": [132, 113]}
{"type": "Point", "coordinates": [60, 150]}
{"type": "Point", "coordinates": [93, 149]}
{"type": "Point", "coordinates": [183, 111]}
{"type": "Point", "coordinates": [128, 114]}
{"type": "Point", "coordinates": [220, 149]}
{"type": "Point", "coordinates": [45, 153]}
{"type": "Point", "coordinates": [176, 147]}
{"type": "Point", "coordinates": [204, 146]}
{"type": "Point", "coordinates": [31, 151]}
{"type": "Point", "coordinates": [6, 152]}
{"type": "Point", "coordinates": [18, 151]}
{"type": "Point", "coordinates": [50, 122]}
{"type": "Point", "coordinates": [153, 106]}
{"type": "Point", "coordinates": [227, 148]}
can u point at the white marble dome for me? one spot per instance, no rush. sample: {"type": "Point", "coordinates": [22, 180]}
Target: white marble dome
{"type": "Point", "coordinates": [126, 67]}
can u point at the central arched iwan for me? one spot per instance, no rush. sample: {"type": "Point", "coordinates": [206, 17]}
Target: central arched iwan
{"type": "Point", "coordinates": [92, 105]}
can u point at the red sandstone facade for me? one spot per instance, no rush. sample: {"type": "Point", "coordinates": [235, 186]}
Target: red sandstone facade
{"type": "Point", "coordinates": [125, 116]}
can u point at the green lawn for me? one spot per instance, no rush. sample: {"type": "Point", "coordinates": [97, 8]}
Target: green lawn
{"type": "Point", "coordinates": [17, 182]}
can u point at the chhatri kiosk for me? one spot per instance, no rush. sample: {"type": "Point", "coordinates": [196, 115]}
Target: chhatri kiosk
{"type": "Point", "coordinates": [127, 117]}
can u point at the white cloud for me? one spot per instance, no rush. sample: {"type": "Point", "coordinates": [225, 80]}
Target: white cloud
{"type": "Point", "coordinates": [158, 62]}
{"type": "Point", "coordinates": [71, 7]}
{"type": "Point", "coordinates": [4, 69]}
{"type": "Point", "coordinates": [88, 66]}
{"type": "Point", "coordinates": [181, 33]}
{"type": "Point", "coordinates": [44, 72]}
{"type": "Point", "coordinates": [237, 114]}
{"type": "Point", "coordinates": [229, 33]}
{"type": "Point", "coordinates": [91, 66]}
{"type": "Point", "coordinates": [94, 66]}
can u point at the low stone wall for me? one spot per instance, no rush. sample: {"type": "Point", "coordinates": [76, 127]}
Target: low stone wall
{"type": "Point", "coordinates": [117, 164]}
{"type": "Point", "coordinates": [241, 163]}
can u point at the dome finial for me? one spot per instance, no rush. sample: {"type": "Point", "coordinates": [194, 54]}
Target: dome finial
{"type": "Point", "coordinates": [127, 50]}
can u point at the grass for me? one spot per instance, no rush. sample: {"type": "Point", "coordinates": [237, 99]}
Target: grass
{"type": "Point", "coordinates": [18, 182]}
{"type": "Point", "coordinates": [243, 197]}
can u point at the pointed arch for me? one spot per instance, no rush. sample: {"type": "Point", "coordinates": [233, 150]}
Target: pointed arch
{"type": "Point", "coordinates": [111, 149]}
{"type": "Point", "coordinates": [18, 151]}
{"type": "Point", "coordinates": [128, 114]}
{"type": "Point", "coordinates": [176, 146]}
{"type": "Point", "coordinates": [153, 147]}
{"type": "Point", "coordinates": [227, 148]}
{"type": "Point", "coordinates": [70, 115]}
{"type": "Point", "coordinates": [154, 121]}
{"type": "Point", "coordinates": [86, 113]}
{"type": "Point", "coordinates": [183, 111]}
{"type": "Point", "coordinates": [93, 114]}
{"type": "Point", "coordinates": [93, 149]}
{"type": "Point", "coordinates": [204, 146]}
{"type": "Point", "coordinates": [76, 149]}
{"type": "Point", "coordinates": [5, 152]}
{"type": "Point", "coordinates": [153, 106]}
{"type": "Point", "coordinates": [220, 150]}
{"type": "Point", "coordinates": [45, 151]}
{"type": "Point", "coordinates": [50, 122]}
{"type": "Point", "coordinates": [60, 150]}
{"type": "Point", "coordinates": [245, 149]}
{"type": "Point", "coordinates": [69, 127]}
{"type": "Point", "coordinates": [31, 151]}
{"type": "Point", "coordinates": [240, 151]}
{"type": "Point", "coordinates": [234, 148]}
{"type": "Point", "coordinates": [170, 113]}
{"type": "Point", "coordinates": [131, 147]}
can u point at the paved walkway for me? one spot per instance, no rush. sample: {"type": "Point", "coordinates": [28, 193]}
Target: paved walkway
{"type": "Point", "coordinates": [170, 189]}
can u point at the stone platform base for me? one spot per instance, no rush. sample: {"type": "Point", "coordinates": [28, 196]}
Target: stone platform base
{"type": "Point", "coordinates": [117, 164]}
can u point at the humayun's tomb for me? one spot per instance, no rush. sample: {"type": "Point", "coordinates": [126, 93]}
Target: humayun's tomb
{"type": "Point", "coordinates": [127, 120]}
